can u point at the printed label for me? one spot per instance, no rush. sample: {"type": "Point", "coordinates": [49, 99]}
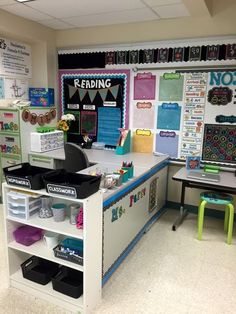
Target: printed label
{"type": "Point", "coordinates": [62, 190]}
{"type": "Point", "coordinates": [18, 181]}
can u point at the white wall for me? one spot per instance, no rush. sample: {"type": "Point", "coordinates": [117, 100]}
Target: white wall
{"type": "Point", "coordinates": [43, 43]}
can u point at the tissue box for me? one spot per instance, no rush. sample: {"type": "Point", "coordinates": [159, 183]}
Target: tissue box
{"type": "Point", "coordinates": [41, 97]}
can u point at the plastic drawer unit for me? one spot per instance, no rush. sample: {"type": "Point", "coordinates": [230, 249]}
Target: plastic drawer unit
{"type": "Point", "coordinates": [21, 205]}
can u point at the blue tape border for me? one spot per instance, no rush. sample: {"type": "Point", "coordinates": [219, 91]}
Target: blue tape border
{"type": "Point", "coordinates": [132, 186]}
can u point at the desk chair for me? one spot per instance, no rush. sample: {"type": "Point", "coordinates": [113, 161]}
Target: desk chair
{"type": "Point", "coordinates": [75, 158]}
{"type": "Point", "coordinates": [218, 199]}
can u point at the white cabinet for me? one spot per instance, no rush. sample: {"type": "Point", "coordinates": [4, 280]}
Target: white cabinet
{"type": "Point", "coordinates": [91, 235]}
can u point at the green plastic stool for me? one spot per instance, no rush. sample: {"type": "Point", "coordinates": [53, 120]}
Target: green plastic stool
{"type": "Point", "coordinates": [218, 199]}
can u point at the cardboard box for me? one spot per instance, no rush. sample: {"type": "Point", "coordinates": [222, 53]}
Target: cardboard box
{"type": "Point", "coordinates": [41, 97]}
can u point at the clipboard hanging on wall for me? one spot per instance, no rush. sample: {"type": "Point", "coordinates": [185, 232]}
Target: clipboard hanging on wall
{"type": "Point", "coordinates": [144, 86]}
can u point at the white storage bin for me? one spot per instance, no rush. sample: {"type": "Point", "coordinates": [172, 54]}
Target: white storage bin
{"type": "Point", "coordinates": [21, 205]}
{"type": "Point", "coordinates": [43, 142]}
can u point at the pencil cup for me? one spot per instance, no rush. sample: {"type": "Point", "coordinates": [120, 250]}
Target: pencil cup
{"type": "Point", "coordinates": [130, 171]}
{"type": "Point", "coordinates": [59, 211]}
{"type": "Point", "coordinates": [50, 239]}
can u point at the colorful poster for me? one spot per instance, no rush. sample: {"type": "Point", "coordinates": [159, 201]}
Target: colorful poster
{"type": "Point", "coordinates": [169, 116]}
{"type": "Point", "coordinates": [221, 95]}
{"type": "Point", "coordinates": [89, 123]}
{"type": "Point", "coordinates": [144, 86]}
{"type": "Point", "coordinates": [167, 143]}
{"type": "Point", "coordinates": [171, 87]}
{"type": "Point", "coordinates": [193, 115]}
{"type": "Point", "coordinates": [143, 141]}
{"type": "Point", "coordinates": [219, 143]}
{"type": "Point", "coordinates": [108, 128]}
{"type": "Point", "coordinates": [143, 115]}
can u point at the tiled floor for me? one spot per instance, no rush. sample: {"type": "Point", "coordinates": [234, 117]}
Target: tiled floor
{"type": "Point", "coordinates": [167, 272]}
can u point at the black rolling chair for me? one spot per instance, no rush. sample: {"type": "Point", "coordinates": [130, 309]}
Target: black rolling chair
{"type": "Point", "coordinates": [75, 158]}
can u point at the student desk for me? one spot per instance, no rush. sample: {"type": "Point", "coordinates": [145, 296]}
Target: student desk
{"type": "Point", "coordinates": [226, 184]}
{"type": "Point", "coordinates": [128, 210]}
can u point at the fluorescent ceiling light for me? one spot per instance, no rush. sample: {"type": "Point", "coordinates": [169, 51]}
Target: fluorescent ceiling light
{"type": "Point", "coordinates": [23, 1]}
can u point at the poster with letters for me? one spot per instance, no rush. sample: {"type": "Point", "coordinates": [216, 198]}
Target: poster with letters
{"type": "Point", "coordinates": [15, 58]}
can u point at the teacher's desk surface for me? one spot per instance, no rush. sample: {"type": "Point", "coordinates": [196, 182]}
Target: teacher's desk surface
{"type": "Point", "coordinates": [146, 160]}
{"type": "Point", "coordinates": [227, 183]}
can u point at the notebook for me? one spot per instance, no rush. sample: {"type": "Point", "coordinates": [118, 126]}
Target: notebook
{"type": "Point", "coordinates": [203, 176]}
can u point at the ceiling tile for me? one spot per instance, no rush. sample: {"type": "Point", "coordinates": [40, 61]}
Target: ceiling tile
{"type": "Point", "coordinates": [26, 12]}
{"type": "Point", "coordinates": [56, 24]}
{"type": "Point", "coordinates": [4, 2]}
{"type": "Point", "coordinates": [153, 3]}
{"type": "Point", "coordinates": [113, 18]}
{"type": "Point", "coordinates": [70, 8]}
{"type": "Point", "coordinates": [172, 11]}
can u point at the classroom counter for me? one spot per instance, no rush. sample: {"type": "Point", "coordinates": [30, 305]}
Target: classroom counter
{"type": "Point", "coordinates": [146, 160]}
{"type": "Point", "coordinates": [130, 209]}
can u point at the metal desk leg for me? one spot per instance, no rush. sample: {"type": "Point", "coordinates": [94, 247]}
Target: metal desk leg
{"type": "Point", "coordinates": [183, 212]}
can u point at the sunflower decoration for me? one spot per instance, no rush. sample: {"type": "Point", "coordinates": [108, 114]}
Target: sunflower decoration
{"type": "Point", "coordinates": [64, 123]}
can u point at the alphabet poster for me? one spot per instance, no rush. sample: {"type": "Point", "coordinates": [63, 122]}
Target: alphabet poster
{"type": "Point", "coordinates": [93, 97]}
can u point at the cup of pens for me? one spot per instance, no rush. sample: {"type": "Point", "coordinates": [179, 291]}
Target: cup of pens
{"type": "Point", "coordinates": [129, 167]}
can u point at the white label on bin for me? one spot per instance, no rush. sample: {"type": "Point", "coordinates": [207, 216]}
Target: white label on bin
{"type": "Point", "coordinates": [62, 190]}
{"type": "Point", "coordinates": [18, 181]}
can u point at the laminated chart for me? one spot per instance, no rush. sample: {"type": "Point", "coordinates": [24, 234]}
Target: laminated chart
{"type": "Point", "coordinates": [144, 86]}
{"type": "Point", "coordinates": [143, 115]}
{"type": "Point", "coordinates": [167, 143]}
{"type": "Point", "coordinates": [219, 143]}
{"type": "Point", "coordinates": [221, 97]}
{"type": "Point", "coordinates": [193, 115]}
{"type": "Point", "coordinates": [89, 123]}
{"type": "Point", "coordinates": [171, 87]}
{"type": "Point", "coordinates": [142, 141]}
{"type": "Point", "coordinates": [169, 116]}
{"type": "Point", "coordinates": [108, 129]}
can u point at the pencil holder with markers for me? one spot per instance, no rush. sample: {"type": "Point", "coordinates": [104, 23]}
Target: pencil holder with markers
{"type": "Point", "coordinates": [129, 167]}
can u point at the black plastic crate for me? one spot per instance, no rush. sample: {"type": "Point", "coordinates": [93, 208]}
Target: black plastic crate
{"type": "Point", "coordinates": [39, 270]}
{"type": "Point", "coordinates": [74, 185]}
{"type": "Point", "coordinates": [74, 258]}
{"type": "Point", "coordinates": [68, 281]}
{"type": "Point", "coordinates": [25, 175]}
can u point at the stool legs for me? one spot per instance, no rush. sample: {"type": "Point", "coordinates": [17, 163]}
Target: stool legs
{"type": "Point", "coordinates": [230, 209]}
{"type": "Point", "coordinates": [201, 218]}
{"type": "Point", "coordinates": [226, 220]}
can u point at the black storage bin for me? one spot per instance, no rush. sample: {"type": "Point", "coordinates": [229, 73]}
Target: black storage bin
{"type": "Point", "coordinates": [25, 175]}
{"type": "Point", "coordinates": [39, 270]}
{"type": "Point", "coordinates": [68, 281]}
{"type": "Point", "coordinates": [70, 184]}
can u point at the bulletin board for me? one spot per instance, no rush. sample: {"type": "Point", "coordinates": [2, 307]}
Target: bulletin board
{"type": "Point", "coordinates": [194, 114]}
{"type": "Point", "coordinates": [99, 100]}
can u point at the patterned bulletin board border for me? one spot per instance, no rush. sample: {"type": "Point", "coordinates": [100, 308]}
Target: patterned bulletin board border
{"type": "Point", "coordinates": [219, 143]}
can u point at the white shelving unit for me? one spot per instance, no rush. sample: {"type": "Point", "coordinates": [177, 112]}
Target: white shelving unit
{"type": "Point", "coordinates": [92, 246]}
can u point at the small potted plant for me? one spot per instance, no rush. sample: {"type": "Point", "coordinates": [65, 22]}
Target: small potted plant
{"type": "Point", "coordinates": [64, 123]}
